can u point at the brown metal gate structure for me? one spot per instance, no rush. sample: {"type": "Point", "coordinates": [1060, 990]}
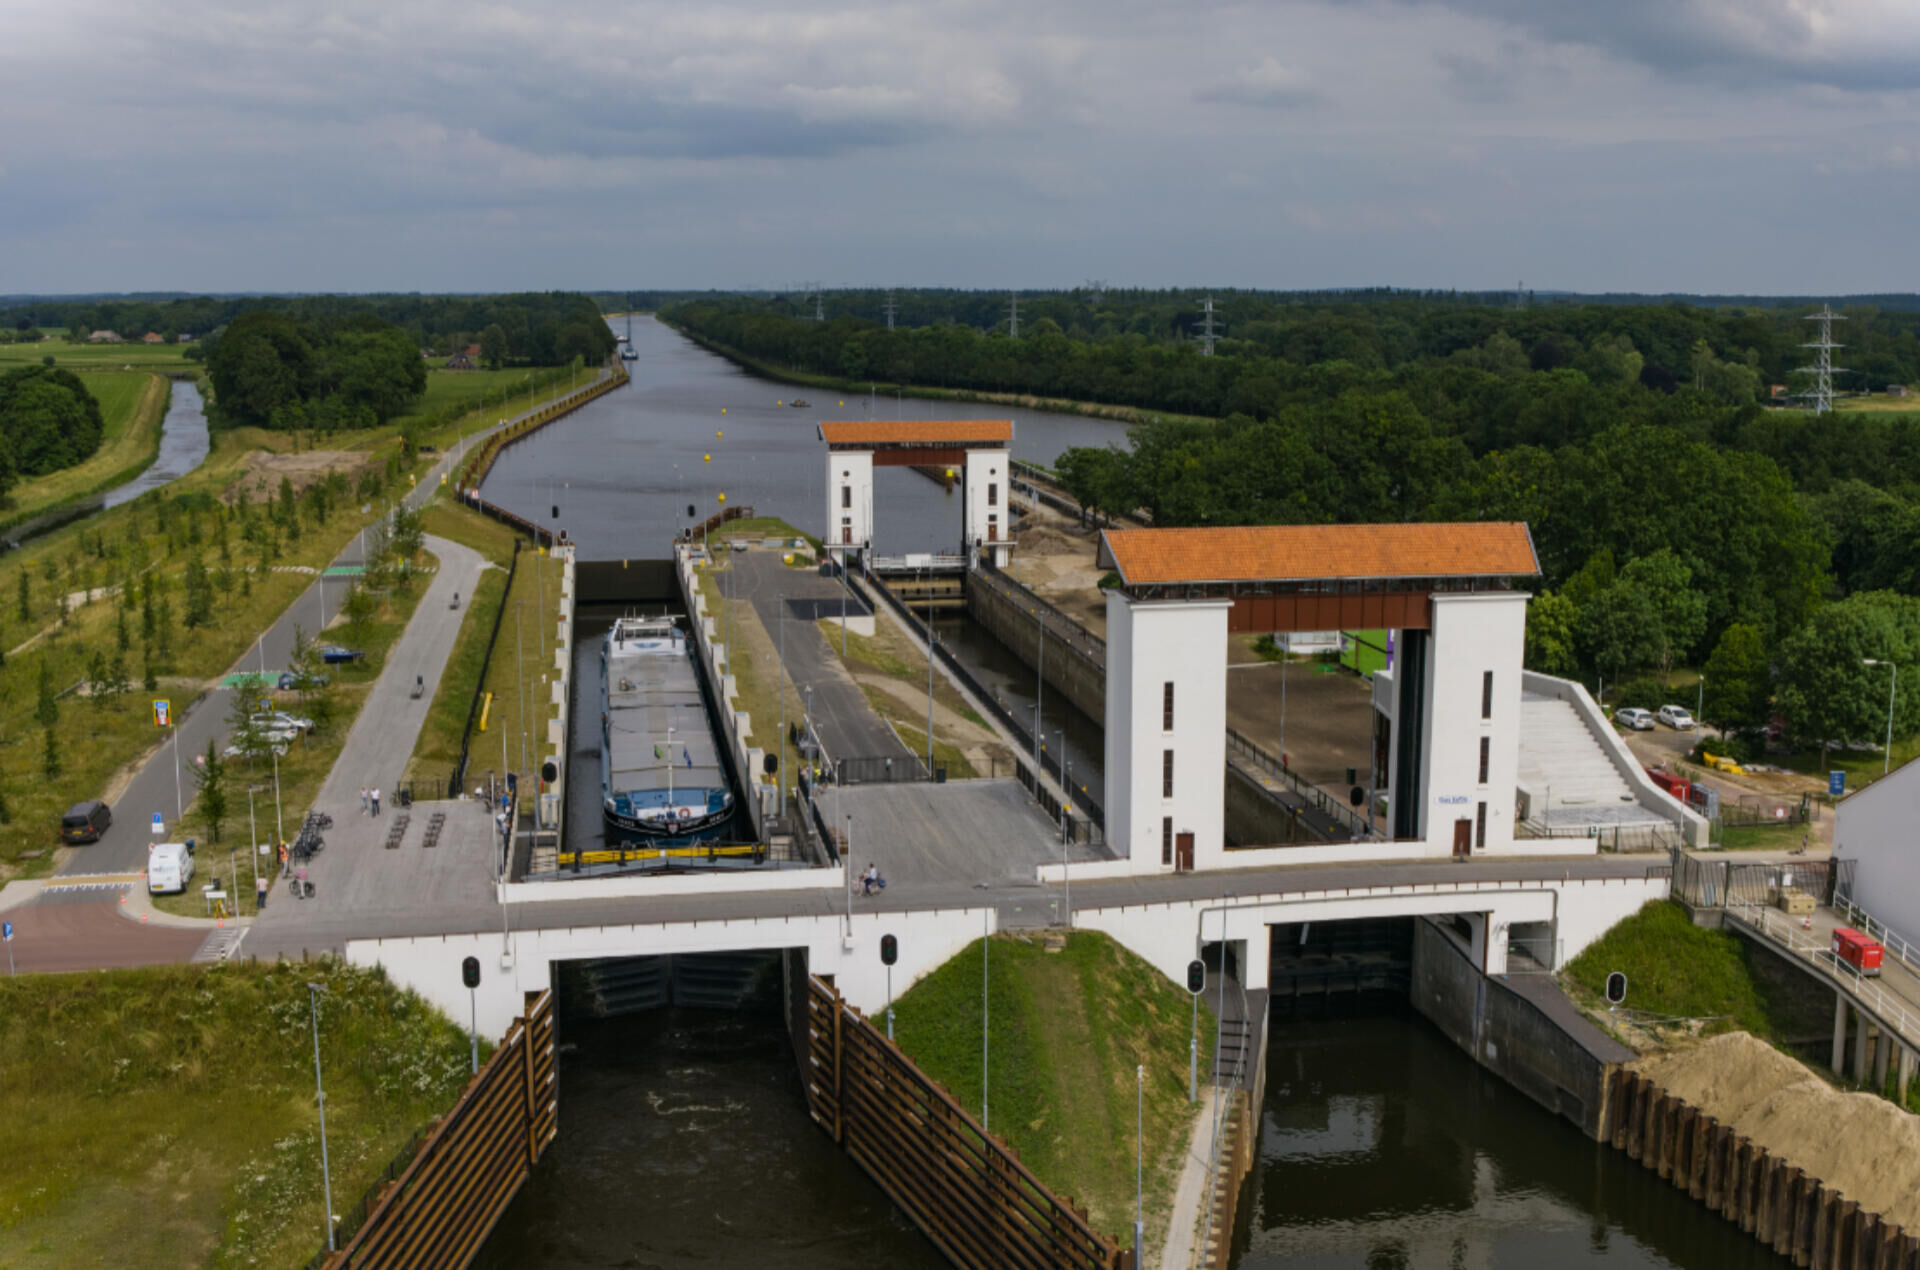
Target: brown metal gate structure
{"type": "Point", "coordinates": [439, 1211]}
{"type": "Point", "coordinates": [966, 1190]}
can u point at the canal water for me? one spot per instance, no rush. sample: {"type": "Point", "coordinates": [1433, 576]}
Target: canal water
{"type": "Point", "coordinates": [685, 1142]}
{"type": "Point", "coordinates": [624, 469]}
{"type": "Point", "coordinates": [1383, 1145]}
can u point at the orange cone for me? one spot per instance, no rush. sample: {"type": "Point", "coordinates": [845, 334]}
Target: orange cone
{"type": "Point", "coordinates": [1806, 922]}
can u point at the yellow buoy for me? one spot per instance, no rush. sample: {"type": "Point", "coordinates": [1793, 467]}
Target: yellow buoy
{"type": "Point", "coordinates": [723, 498]}
{"type": "Point", "coordinates": [706, 458]}
{"type": "Point", "coordinates": [723, 410]}
{"type": "Point", "coordinates": [720, 435]}
{"type": "Point", "coordinates": [779, 403]}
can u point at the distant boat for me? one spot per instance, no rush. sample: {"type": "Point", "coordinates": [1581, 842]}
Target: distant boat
{"type": "Point", "coordinates": [799, 403]}
{"type": "Point", "coordinates": [628, 355]}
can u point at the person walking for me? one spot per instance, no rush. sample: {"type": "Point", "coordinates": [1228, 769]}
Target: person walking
{"type": "Point", "coordinates": [870, 879]}
{"type": "Point", "coordinates": [283, 859]}
{"type": "Point", "coordinates": [363, 800]}
{"type": "Point", "coordinates": [259, 892]}
{"type": "Point", "coordinates": [376, 800]}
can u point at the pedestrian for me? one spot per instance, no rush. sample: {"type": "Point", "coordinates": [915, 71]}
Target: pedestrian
{"type": "Point", "coordinates": [283, 859]}
{"type": "Point", "coordinates": [259, 892]}
{"type": "Point", "coordinates": [363, 800]}
{"type": "Point", "coordinates": [376, 800]}
{"type": "Point", "coordinates": [870, 879]}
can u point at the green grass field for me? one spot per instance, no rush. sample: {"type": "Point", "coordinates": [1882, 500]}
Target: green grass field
{"type": "Point", "coordinates": [132, 406]}
{"type": "Point", "coordinates": [166, 1117]}
{"type": "Point", "coordinates": [1067, 1030]}
{"type": "Point", "coordinates": [98, 356]}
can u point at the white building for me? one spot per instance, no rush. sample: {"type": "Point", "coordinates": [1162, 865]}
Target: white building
{"type": "Point", "coordinates": [1874, 828]}
{"type": "Point", "coordinates": [978, 449]}
{"type": "Point", "coordinates": [1451, 759]}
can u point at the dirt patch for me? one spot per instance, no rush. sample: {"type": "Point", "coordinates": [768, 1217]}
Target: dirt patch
{"type": "Point", "coordinates": [261, 473]}
{"type": "Point", "coordinates": [1055, 558]}
{"type": "Point", "coordinates": [1861, 1144]}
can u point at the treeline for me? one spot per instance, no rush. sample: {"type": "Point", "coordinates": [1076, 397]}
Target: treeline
{"type": "Point", "coordinates": [48, 420]}
{"type": "Point", "coordinates": [270, 370]}
{"type": "Point", "coordinates": [538, 328]}
{"type": "Point", "coordinates": [1140, 348]}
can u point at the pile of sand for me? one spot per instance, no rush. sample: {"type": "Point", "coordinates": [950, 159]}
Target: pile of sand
{"type": "Point", "coordinates": [260, 474]}
{"type": "Point", "coordinates": [1861, 1144]}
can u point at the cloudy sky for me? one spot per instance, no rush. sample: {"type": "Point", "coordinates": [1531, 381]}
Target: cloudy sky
{"type": "Point", "coordinates": [1695, 145]}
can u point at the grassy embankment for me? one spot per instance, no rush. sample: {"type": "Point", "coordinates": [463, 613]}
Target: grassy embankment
{"type": "Point", "coordinates": [100, 739]}
{"type": "Point", "coordinates": [132, 408]}
{"type": "Point", "coordinates": [849, 388]}
{"type": "Point", "coordinates": [514, 662]}
{"type": "Point", "coordinates": [889, 658]}
{"type": "Point", "coordinates": [1678, 970]}
{"type": "Point", "coordinates": [82, 357]}
{"type": "Point", "coordinates": [303, 769]}
{"type": "Point", "coordinates": [759, 680]}
{"type": "Point", "coordinates": [166, 1117]}
{"type": "Point", "coordinates": [1067, 1029]}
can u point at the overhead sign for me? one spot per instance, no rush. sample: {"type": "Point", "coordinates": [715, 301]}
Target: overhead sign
{"type": "Point", "coordinates": [162, 713]}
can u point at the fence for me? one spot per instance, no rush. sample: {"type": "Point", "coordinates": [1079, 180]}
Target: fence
{"type": "Point", "coordinates": [965, 1189]}
{"type": "Point", "coordinates": [1059, 624]}
{"type": "Point", "coordinates": [1784, 1208]}
{"type": "Point", "coordinates": [457, 779]}
{"type": "Point", "coordinates": [1244, 748]}
{"type": "Point", "coordinates": [885, 770]}
{"type": "Point", "coordinates": [439, 1208]}
{"type": "Point", "coordinates": [1022, 733]}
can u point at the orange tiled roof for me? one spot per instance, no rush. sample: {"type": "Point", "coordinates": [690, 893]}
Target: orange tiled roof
{"type": "Point", "coordinates": [1284, 553]}
{"type": "Point", "coordinates": [919, 432]}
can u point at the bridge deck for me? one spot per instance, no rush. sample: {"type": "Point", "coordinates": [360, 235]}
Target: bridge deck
{"type": "Point", "coordinates": [1893, 997]}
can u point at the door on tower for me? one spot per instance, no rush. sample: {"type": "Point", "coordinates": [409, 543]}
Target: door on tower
{"type": "Point", "coordinates": [1462, 839]}
{"type": "Point", "coordinates": [1183, 853]}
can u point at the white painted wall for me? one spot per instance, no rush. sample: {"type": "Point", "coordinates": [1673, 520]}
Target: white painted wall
{"type": "Point", "coordinates": [849, 470]}
{"type": "Point", "coordinates": [988, 468]}
{"type": "Point", "coordinates": [1875, 828]}
{"type": "Point", "coordinates": [1149, 645]}
{"type": "Point", "coordinates": [1692, 825]}
{"type": "Point", "coordinates": [521, 961]}
{"type": "Point", "coordinates": [1472, 634]}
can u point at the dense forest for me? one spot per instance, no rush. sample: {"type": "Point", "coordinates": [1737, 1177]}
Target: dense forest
{"type": "Point", "coordinates": [1680, 519]}
{"type": "Point", "coordinates": [535, 328]}
{"type": "Point", "coordinates": [274, 371]}
{"type": "Point", "coordinates": [48, 420]}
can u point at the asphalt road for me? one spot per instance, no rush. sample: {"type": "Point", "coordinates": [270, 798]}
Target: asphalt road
{"type": "Point", "coordinates": [85, 930]}
{"type": "Point", "coordinates": [847, 724]}
{"type": "Point", "coordinates": [156, 788]}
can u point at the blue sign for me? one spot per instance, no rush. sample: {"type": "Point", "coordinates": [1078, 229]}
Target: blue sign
{"type": "Point", "coordinates": [1836, 783]}
{"type": "Point", "coordinates": [6, 931]}
{"type": "Point", "coordinates": [159, 826]}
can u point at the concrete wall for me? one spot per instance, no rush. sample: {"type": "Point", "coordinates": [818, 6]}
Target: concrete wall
{"type": "Point", "coordinates": [849, 500]}
{"type": "Point", "coordinates": [1473, 634]}
{"type": "Point", "coordinates": [1874, 826]}
{"type": "Point", "coordinates": [1692, 825]}
{"type": "Point", "coordinates": [1151, 645]}
{"type": "Point", "coordinates": [1071, 671]}
{"type": "Point", "coordinates": [1504, 1032]}
{"type": "Point", "coordinates": [522, 961]}
{"type": "Point", "coordinates": [735, 724]}
{"type": "Point", "coordinates": [988, 519]}
{"type": "Point", "coordinates": [1254, 815]}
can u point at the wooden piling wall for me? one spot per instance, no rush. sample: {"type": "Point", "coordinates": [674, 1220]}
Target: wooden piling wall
{"type": "Point", "coordinates": [1776, 1202]}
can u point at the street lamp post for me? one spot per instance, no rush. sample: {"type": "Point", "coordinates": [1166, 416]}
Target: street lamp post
{"type": "Point", "coordinates": [986, 948]}
{"type": "Point", "coordinates": [1139, 1135]}
{"type": "Point", "coordinates": [253, 834]}
{"type": "Point", "coordinates": [1892, 689]}
{"type": "Point", "coordinates": [781, 777]}
{"type": "Point", "coordinates": [929, 683]}
{"type": "Point", "coordinates": [320, 1092]}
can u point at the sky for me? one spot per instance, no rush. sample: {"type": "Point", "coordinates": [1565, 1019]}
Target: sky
{"type": "Point", "coordinates": [1729, 146]}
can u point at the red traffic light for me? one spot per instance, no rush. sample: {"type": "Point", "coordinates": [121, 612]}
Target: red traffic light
{"type": "Point", "coordinates": [889, 950]}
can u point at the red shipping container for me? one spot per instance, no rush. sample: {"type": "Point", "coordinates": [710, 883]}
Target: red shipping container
{"type": "Point", "coordinates": [1858, 951]}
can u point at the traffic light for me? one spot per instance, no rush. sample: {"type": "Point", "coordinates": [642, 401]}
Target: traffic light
{"type": "Point", "coordinates": [1616, 988]}
{"type": "Point", "coordinates": [889, 950]}
{"type": "Point", "coordinates": [470, 972]}
{"type": "Point", "coordinates": [1196, 977]}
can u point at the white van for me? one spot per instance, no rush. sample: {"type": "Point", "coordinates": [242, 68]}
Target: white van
{"type": "Point", "coordinates": [169, 868]}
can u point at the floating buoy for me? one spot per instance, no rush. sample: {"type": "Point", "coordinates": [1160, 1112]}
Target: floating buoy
{"type": "Point", "coordinates": [723, 410]}
{"type": "Point", "coordinates": [720, 435]}
{"type": "Point", "coordinates": [706, 458]}
{"type": "Point", "coordinates": [723, 498]}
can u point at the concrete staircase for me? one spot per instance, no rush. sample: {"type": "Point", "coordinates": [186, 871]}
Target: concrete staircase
{"type": "Point", "coordinates": [1563, 765]}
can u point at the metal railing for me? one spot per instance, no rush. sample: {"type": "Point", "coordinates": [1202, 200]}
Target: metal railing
{"type": "Point", "coordinates": [884, 770]}
{"type": "Point", "coordinates": [1615, 838]}
{"type": "Point", "coordinates": [458, 777]}
{"type": "Point", "coordinates": [1894, 1011]}
{"type": "Point", "coordinates": [1873, 928]}
{"type": "Point", "coordinates": [1242, 747]}
{"type": "Point", "coordinates": [1060, 624]}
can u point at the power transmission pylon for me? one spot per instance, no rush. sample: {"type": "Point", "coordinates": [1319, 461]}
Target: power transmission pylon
{"type": "Point", "coordinates": [890, 309]}
{"type": "Point", "coordinates": [1209, 329]}
{"type": "Point", "coordinates": [1823, 367]}
{"type": "Point", "coordinates": [819, 303]}
{"type": "Point", "coordinates": [1013, 316]}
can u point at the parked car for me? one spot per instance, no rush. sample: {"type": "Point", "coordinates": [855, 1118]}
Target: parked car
{"type": "Point", "coordinates": [276, 742]}
{"type": "Point", "coordinates": [85, 822]}
{"type": "Point", "coordinates": [1676, 717]}
{"type": "Point", "coordinates": [1634, 717]}
{"type": "Point", "coordinates": [334, 655]}
{"type": "Point", "coordinates": [281, 721]}
{"type": "Point", "coordinates": [293, 680]}
{"type": "Point", "coordinates": [169, 867]}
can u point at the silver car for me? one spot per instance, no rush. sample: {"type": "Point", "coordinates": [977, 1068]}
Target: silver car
{"type": "Point", "coordinates": [1676, 717]}
{"type": "Point", "coordinates": [1635, 718]}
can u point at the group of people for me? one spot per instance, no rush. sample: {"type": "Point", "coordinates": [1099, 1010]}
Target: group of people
{"type": "Point", "coordinates": [871, 881]}
{"type": "Point", "coordinates": [369, 801]}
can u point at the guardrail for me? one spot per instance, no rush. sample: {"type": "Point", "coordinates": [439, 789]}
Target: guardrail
{"type": "Point", "coordinates": [1892, 1010]}
{"type": "Point", "coordinates": [457, 780]}
{"type": "Point", "coordinates": [1244, 748]}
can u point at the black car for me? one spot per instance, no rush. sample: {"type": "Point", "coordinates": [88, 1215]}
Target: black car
{"type": "Point", "coordinates": [290, 680]}
{"type": "Point", "coordinates": [85, 822]}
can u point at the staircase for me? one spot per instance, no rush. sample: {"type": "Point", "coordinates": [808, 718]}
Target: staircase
{"type": "Point", "coordinates": [1566, 770]}
{"type": "Point", "coordinates": [1234, 1057]}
